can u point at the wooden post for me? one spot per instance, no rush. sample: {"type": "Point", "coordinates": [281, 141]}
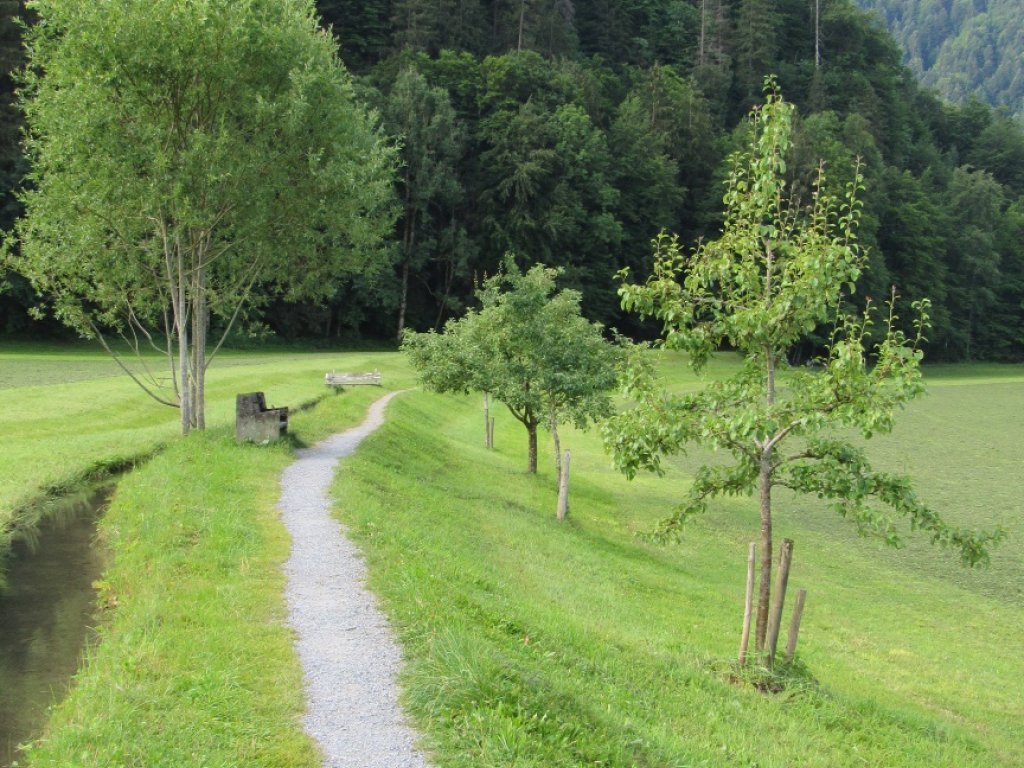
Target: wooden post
{"type": "Point", "coordinates": [778, 600]}
{"type": "Point", "coordinates": [488, 437]}
{"type": "Point", "coordinates": [794, 624]}
{"type": "Point", "coordinates": [748, 604]}
{"type": "Point", "coordinates": [563, 489]}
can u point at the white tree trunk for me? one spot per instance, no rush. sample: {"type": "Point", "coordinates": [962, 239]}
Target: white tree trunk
{"type": "Point", "coordinates": [563, 488]}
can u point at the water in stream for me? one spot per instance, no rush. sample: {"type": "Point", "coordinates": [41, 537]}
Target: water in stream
{"type": "Point", "coordinates": [46, 617]}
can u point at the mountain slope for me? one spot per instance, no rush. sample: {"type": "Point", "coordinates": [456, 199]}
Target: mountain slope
{"type": "Point", "coordinates": [962, 48]}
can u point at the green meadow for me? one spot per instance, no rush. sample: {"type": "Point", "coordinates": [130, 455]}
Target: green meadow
{"type": "Point", "coordinates": [70, 415]}
{"type": "Point", "coordinates": [534, 643]}
{"type": "Point", "coordinates": [528, 642]}
{"type": "Point", "coordinates": [192, 664]}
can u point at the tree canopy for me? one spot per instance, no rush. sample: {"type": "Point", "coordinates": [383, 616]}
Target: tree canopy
{"type": "Point", "coordinates": [527, 346]}
{"type": "Point", "coordinates": [585, 128]}
{"type": "Point", "coordinates": [965, 49]}
{"type": "Point", "coordinates": [778, 270]}
{"type": "Point", "coordinates": [189, 159]}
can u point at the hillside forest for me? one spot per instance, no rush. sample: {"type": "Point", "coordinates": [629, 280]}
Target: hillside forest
{"type": "Point", "coordinates": [571, 133]}
{"type": "Point", "coordinates": [964, 49]}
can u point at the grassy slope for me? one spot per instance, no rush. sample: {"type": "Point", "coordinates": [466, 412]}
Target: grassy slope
{"type": "Point", "coordinates": [67, 410]}
{"type": "Point", "coordinates": [537, 644]}
{"type": "Point", "coordinates": [194, 664]}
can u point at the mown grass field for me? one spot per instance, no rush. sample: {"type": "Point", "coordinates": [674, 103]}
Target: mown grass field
{"type": "Point", "coordinates": [528, 642]}
{"type": "Point", "coordinates": [69, 412]}
{"type": "Point", "coordinates": [194, 664]}
{"type": "Point", "coordinates": [533, 643]}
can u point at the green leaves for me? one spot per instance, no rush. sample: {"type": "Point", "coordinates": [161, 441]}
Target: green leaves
{"type": "Point", "coordinates": [835, 470]}
{"type": "Point", "coordinates": [776, 273]}
{"type": "Point", "coordinates": [528, 346]}
{"type": "Point", "coordinates": [190, 158]}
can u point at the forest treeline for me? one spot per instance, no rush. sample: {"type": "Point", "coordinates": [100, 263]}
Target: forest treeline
{"type": "Point", "coordinates": [571, 133]}
{"type": "Point", "coordinates": [964, 49]}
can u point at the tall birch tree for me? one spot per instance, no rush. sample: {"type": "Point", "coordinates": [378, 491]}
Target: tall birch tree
{"type": "Point", "coordinates": [188, 158]}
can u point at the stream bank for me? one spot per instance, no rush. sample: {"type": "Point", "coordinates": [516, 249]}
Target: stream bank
{"type": "Point", "coordinates": [47, 615]}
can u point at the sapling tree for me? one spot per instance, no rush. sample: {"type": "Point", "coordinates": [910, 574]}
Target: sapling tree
{"type": "Point", "coordinates": [529, 348]}
{"type": "Point", "coordinates": [187, 159]}
{"type": "Point", "coordinates": [776, 272]}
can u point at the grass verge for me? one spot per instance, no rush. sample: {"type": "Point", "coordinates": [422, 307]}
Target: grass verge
{"type": "Point", "coordinates": [68, 414]}
{"type": "Point", "coordinates": [531, 643]}
{"type": "Point", "coordinates": [194, 664]}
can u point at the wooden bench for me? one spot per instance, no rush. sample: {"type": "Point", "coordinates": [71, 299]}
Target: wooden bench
{"type": "Point", "coordinates": [339, 380]}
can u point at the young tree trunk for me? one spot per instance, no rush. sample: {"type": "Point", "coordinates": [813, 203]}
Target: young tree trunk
{"type": "Point", "coordinates": [408, 240]}
{"type": "Point", "coordinates": [486, 420]}
{"type": "Point", "coordinates": [185, 391]}
{"type": "Point", "coordinates": [522, 16]}
{"type": "Point", "coordinates": [764, 593]}
{"type": "Point", "coordinates": [531, 429]}
{"type": "Point", "coordinates": [449, 279]}
{"type": "Point", "coordinates": [403, 301]}
{"type": "Point", "coordinates": [817, 33]}
{"type": "Point", "coordinates": [703, 28]}
{"type": "Point", "coordinates": [553, 425]}
{"type": "Point", "coordinates": [199, 327]}
{"type": "Point", "coordinates": [764, 485]}
{"type": "Point", "coordinates": [181, 326]}
{"type": "Point", "coordinates": [563, 487]}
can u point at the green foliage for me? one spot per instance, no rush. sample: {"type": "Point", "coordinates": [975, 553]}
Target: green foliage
{"type": "Point", "coordinates": [661, 127]}
{"type": "Point", "coordinates": [528, 347]}
{"type": "Point", "coordinates": [189, 158]}
{"type": "Point", "coordinates": [606, 121]}
{"type": "Point", "coordinates": [422, 119]}
{"type": "Point", "coordinates": [964, 49]}
{"type": "Point", "coordinates": [776, 272]}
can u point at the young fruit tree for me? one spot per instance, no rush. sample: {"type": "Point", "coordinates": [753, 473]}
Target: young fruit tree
{"type": "Point", "coordinates": [776, 272]}
{"type": "Point", "coordinates": [191, 158]}
{"type": "Point", "coordinates": [527, 347]}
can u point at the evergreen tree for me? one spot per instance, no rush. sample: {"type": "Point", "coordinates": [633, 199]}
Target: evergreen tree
{"type": "Point", "coordinates": [755, 42]}
{"type": "Point", "coordinates": [975, 203]}
{"type": "Point", "coordinates": [422, 119]}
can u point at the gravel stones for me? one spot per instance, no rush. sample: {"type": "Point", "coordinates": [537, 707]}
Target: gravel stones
{"type": "Point", "coordinates": [348, 653]}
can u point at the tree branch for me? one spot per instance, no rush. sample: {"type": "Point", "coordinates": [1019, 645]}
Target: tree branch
{"type": "Point", "coordinates": [117, 359]}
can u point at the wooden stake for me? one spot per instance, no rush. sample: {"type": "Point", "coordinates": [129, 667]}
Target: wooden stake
{"type": "Point", "coordinates": [794, 624]}
{"type": "Point", "coordinates": [488, 436]}
{"type": "Point", "coordinates": [748, 604]}
{"type": "Point", "coordinates": [563, 489]}
{"type": "Point", "coordinates": [778, 600]}
{"type": "Point", "coordinates": [490, 433]}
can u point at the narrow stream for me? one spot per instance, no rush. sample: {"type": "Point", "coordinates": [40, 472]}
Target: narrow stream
{"type": "Point", "coordinates": [46, 617]}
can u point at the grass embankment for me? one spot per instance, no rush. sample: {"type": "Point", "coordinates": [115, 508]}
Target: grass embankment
{"type": "Point", "coordinates": [533, 643]}
{"type": "Point", "coordinates": [70, 416]}
{"type": "Point", "coordinates": [194, 665]}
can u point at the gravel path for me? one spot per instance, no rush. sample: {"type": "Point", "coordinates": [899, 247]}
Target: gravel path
{"type": "Point", "coordinates": [347, 650]}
